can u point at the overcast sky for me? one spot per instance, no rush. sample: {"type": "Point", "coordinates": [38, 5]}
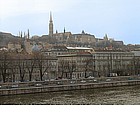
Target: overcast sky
{"type": "Point", "coordinates": [120, 19]}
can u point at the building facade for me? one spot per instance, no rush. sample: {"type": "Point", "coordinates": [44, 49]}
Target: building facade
{"type": "Point", "coordinates": [26, 67]}
{"type": "Point", "coordinates": [119, 62]}
{"type": "Point", "coordinates": [94, 63]}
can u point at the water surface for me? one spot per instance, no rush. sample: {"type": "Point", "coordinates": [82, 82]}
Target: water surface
{"type": "Point", "coordinates": [107, 96]}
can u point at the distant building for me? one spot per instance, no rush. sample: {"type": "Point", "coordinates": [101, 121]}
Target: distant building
{"type": "Point", "coordinates": [83, 39]}
{"type": "Point", "coordinates": [15, 46]}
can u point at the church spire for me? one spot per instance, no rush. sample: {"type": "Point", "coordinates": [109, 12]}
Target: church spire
{"type": "Point", "coordinates": [51, 25]}
{"type": "Point", "coordinates": [51, 17]}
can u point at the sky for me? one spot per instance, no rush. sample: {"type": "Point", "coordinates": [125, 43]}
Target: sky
{"type": "Point", "coordinates": [119, 19]}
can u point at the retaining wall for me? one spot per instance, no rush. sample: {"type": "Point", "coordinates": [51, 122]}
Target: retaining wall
{"type": "Point", "coordinates": [55, 88]}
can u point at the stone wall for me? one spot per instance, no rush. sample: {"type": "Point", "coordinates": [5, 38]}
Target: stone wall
{"type": "Point", "coordinates": [46, 89]}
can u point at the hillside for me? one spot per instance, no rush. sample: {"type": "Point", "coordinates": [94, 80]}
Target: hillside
{"type": "Point", "coordinates": [5, 38]}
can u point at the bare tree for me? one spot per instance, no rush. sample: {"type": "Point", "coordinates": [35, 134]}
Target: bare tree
{"type": "Point", "coordinates": [42, 64]}
{"type": "Point", "coordinates": [21, 64]}
{"type": "Point", "coordinates": [88, 66]}
{"type": "Point", "coordinates": [4, 65]}
{"type": "Point", "coordinates": [61, 68]}
{"type": "Point", "coordinates": [30, 65]}
{"type": "Point", "coordinates": [66, 68]}
{"type": "Point", "coordinates": [71, 68]}
{"type": "Point", "coordinates": [13, 69]}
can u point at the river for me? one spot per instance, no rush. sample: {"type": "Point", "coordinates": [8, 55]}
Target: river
{"type": "Point", "coordinates": [107, 96]}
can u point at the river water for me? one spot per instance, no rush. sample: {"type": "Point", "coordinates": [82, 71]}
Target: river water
{"type": "Point", "coordinates": [107, 96]}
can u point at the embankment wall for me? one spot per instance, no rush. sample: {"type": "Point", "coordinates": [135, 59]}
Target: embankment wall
{"type": "Point", "coordinates": [56, 88]}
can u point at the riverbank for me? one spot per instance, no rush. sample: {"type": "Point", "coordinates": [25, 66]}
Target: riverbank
{"type": "Point", "coordinates": [69, 87]}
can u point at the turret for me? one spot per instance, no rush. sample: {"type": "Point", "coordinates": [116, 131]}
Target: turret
{"type": "Point", "coordinates": [28, 35]}
{"type": "Point", "coordinates": [21, 34]}
{"type": "Point", "coordinates": [105, 37]}
{"type": "Point", "coordinates": [51, 25]}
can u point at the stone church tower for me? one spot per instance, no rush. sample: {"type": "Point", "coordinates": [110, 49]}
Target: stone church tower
{"type": "Point", "coordinates": [51, 25]}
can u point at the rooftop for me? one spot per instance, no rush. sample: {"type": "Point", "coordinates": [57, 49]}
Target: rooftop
{"type": "Point", "coordinates": [79, 48]}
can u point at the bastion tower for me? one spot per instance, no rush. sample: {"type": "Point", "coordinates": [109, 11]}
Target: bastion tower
{"type": "Point", "coordinates": [51, 25]}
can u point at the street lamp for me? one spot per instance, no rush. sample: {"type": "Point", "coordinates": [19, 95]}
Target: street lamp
{"type": "Point", "coordinates": [46, 76]}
